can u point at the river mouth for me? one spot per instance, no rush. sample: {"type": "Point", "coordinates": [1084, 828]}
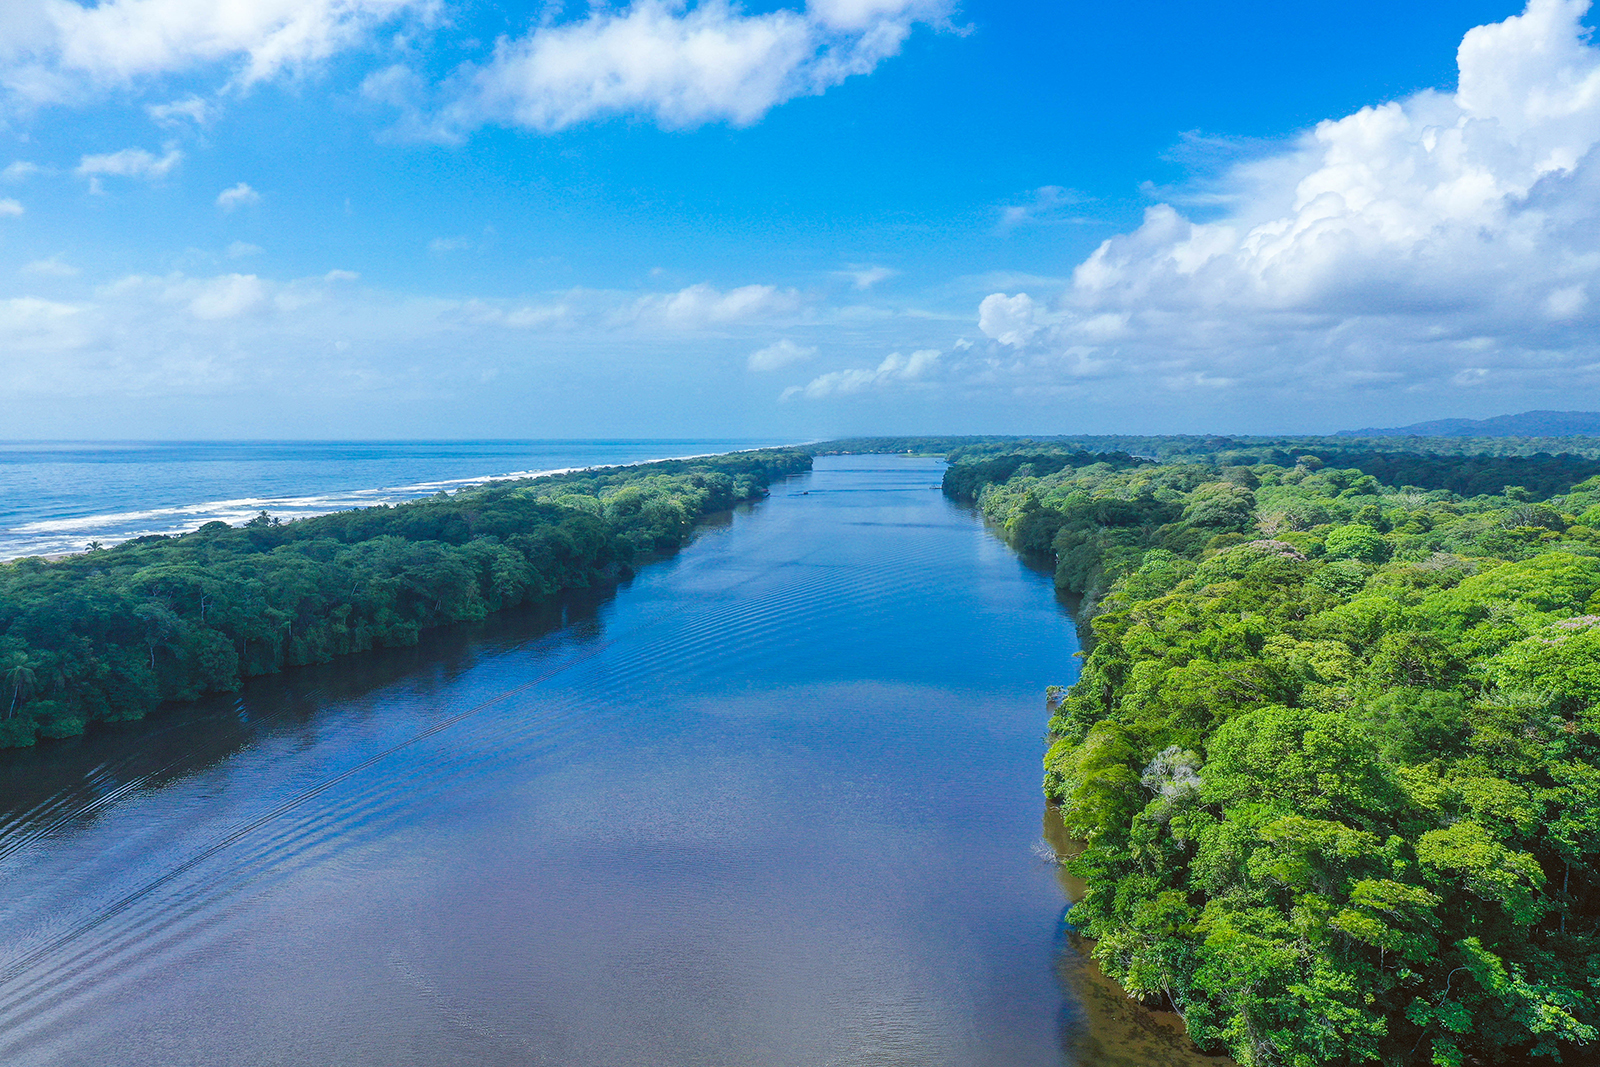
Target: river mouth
{"type": "Point", "coordinates": [775, 801]}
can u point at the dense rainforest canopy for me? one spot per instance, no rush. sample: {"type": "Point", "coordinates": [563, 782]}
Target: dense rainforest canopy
{"type": "Point", "coordinates": [109, 634]}
{"type": "Point", "coordinates": [1211, 447]}
{"type": "Point", "coordinates": [1465, 466]}
{"type": "Point", "coordinates": [1333, 749]}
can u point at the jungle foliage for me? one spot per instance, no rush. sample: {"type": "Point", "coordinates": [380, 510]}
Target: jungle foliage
{"type": "Point", "coordinates": [1333, 752]}
{"type": "Point", "coordinates": [1225, 448]}
{"type": "Point", "coordinates": [109, 634]}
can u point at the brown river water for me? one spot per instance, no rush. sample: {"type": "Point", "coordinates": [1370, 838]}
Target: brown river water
{"type": "Point", "coordinates": [774, 802]}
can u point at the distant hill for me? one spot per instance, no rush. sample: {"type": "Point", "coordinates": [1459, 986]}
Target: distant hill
{"type": "Point", "coordinates": [1527, 424]}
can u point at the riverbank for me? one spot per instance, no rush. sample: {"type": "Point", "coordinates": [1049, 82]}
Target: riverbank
{"type": "Point", "coordinates": [1312, 700]}
{"type": "Point", "coordinates": [1119, 1028]}
{"type": "Point", "coordinates": [107, 635]}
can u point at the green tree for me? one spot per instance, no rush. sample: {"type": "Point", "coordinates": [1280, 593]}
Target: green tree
{"type": "Point", "coordinates": [20, 678]}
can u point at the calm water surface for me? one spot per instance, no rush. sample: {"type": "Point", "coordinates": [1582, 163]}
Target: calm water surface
{"type": "Point", "coordinates": [775, 802]}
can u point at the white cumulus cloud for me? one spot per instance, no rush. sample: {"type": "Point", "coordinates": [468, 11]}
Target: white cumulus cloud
{"type": "Point", "coordinates": [60, 50]}
{"type": "Point", "coordinates": [237, 196]}
{"type": "Point", "coordinates": [130, 163]}
{"type": "Point", "coordinates": [1011, 320]}
{"type": "Point", "coordinates": [781, 353]}
{"type": "Point", "coordinates": [190, 109]}
{"type": "Point", "coordinates": [682, 65]}
{"type": "Point", "coordinates": [702, 305]}
{"type": "Point", "coordinates": [224, 297]}
{"type": "Point", "coordinates": [1447, 238]}
{"type": "Point", "coordinates": [894, 369]}
{"type": "Point", "coordinates": [42, 327]}
{"type": "Point", "coordinates": [171, 335]}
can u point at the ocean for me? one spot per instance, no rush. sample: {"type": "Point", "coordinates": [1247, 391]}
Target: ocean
{"type": "Point", "coordinates": [57, 496]}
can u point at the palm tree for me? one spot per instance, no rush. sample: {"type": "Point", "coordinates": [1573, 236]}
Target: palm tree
{"type": "Point", "coordinates": [95, 546]}
{"type": "Point", "coordinates": [19, 674]}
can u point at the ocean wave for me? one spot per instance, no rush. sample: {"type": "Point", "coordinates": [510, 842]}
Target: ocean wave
{"type": "Point", "coordinates": [68, 534]}
{"type": "Point", "coordinates": [63, 533]}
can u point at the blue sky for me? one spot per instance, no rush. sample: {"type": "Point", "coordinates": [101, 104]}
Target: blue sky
{"type": "Point", "coordinates": [445, 218]}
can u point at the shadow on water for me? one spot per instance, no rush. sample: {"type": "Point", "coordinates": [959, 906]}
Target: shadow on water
{"type": "Point", "coordinates": [71, 777]}
{"type": "Point", "coordinates": [68, 780]}
{"type": "Point", "coordinates": [1040, 563]}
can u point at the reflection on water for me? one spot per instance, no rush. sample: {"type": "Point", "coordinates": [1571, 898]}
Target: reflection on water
{"type": "Point", "coordinates": [774, 802]}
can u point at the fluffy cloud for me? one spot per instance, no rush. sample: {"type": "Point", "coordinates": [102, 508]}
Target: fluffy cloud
{"type": "Point", "coordinates": [189, 303]}
{"type": "Point", "coordinates": [20, 171]}
{"type": "Point", "coordinates": [177, 112]}
{"type": "Point", "coordinates": [130, 163]}
{"type": "Point", "coordinates": [39, 328]}
{"type": "Point", "coordinates": [175, 334]}
{"type": "Point", "coordinates": [235, 350]}
{"type": "Point", "coordinates": [54, 50]}
{"type": "Point", "coordinates": [178, 335]}
{"type": "Point", "coordinates": [781, 353]}
{"type": "Point", "coordinates": [1440, 241]}
{"type": "Point", "coordinates": [682, 63]}
{"type": "Point", "coordinates": [225, 297]}
{"type": "Point", "coordinates": [10, 207]}
{"type": "Point", "coordinates": [894, 369]}
{"type": "Point", "coordinates": [1011, 320]}
{"type": "Point", "coordinates": [681, 66]}
{"type": "Point", "coordinates": [701, 306]}
{"type": "Point", "coordinates": [239, 195]}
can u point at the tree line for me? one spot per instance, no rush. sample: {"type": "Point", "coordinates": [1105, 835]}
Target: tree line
{"type": "Point", "coordinates": [107, 635]}
{"type": "Point", "coordinates": [1262, 449]}
{"type": "Point", "coordinates": [1334, 751]}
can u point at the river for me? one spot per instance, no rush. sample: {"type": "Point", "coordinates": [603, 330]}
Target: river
{"type": "Point", "coordinates": [775, 801]}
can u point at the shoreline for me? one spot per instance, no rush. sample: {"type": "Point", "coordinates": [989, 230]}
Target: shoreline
{"type": "Point", "coordinates": [447, 485]}
{"type": "Point", "coordinates": [394, 573]}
